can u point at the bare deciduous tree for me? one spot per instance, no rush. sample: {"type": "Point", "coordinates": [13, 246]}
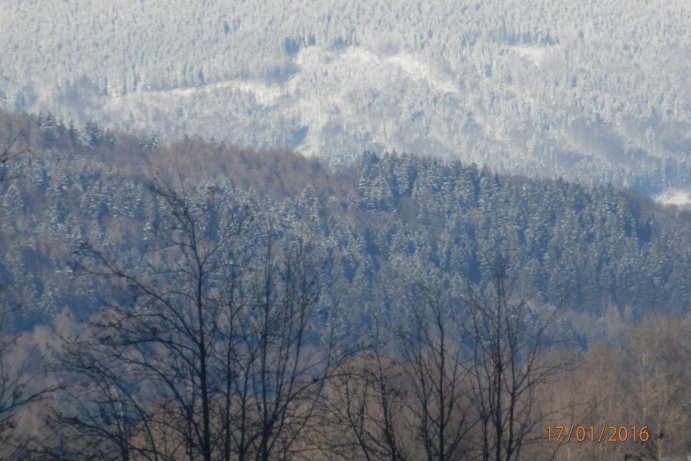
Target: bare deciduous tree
{"type": "Point", "coordinates": [214, 338]}
{"type": "Point", "coordinates": [14, 148]}
{"type": "Point", "coordinates": [17, 376]}
{"type": "Point", "coordinates": [367, 415]}
{"type": "Point", "coordinates": [406, 398]}
{"type": "Point", "coordinates": [433, 345]}
{"type": "Point", "coordinates": [507, 366]}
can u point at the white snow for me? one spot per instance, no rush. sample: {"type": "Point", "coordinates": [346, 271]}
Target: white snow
{"type": "Point", "coordinates": [265, 94]}
{"type": "Point", "coordinates": [359, 75]}
{"type": "Point", "coordinates": [676, 197]}
{"type": "Point", "coordinates": [536, 54]}
{"type": "Point", "coordinates": [416, 69]}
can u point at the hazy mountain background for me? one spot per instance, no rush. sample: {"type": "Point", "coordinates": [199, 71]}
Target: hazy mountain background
{"type": "Point", "coordinates": [596, 91]}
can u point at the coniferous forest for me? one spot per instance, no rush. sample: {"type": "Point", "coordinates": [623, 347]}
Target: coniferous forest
{"type": "Point", "coordinates": [199, 301]}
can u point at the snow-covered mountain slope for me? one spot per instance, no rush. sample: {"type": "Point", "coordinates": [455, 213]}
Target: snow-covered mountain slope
{"type": "Point", "coordinates": [677, 197]}
{"type": "Point", "coordinates": [594, 90]}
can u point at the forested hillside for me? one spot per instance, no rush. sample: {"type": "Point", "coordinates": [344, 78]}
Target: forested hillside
{"type": "Point", "coordinates": [589, 249]}
{"type": "Point", "coordinates": [197, 301]}
{"type": "Point", "coordinates": [590, 90]}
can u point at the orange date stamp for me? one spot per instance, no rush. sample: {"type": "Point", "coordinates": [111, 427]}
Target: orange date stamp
{"type": "Point", "coordinates": [582, 433]}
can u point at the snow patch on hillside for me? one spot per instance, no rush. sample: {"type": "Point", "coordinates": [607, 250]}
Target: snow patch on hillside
{"type": "Point", "coordinates": [418, 70]}
{"type": "Point", "coordinates": [676, 197]}
{"type": "Point", "coordinates": [264, 93]}
{"type": "Point", "coordinates": [345, 76]}
{"type": "Point", "coordinates": [536, 54]}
